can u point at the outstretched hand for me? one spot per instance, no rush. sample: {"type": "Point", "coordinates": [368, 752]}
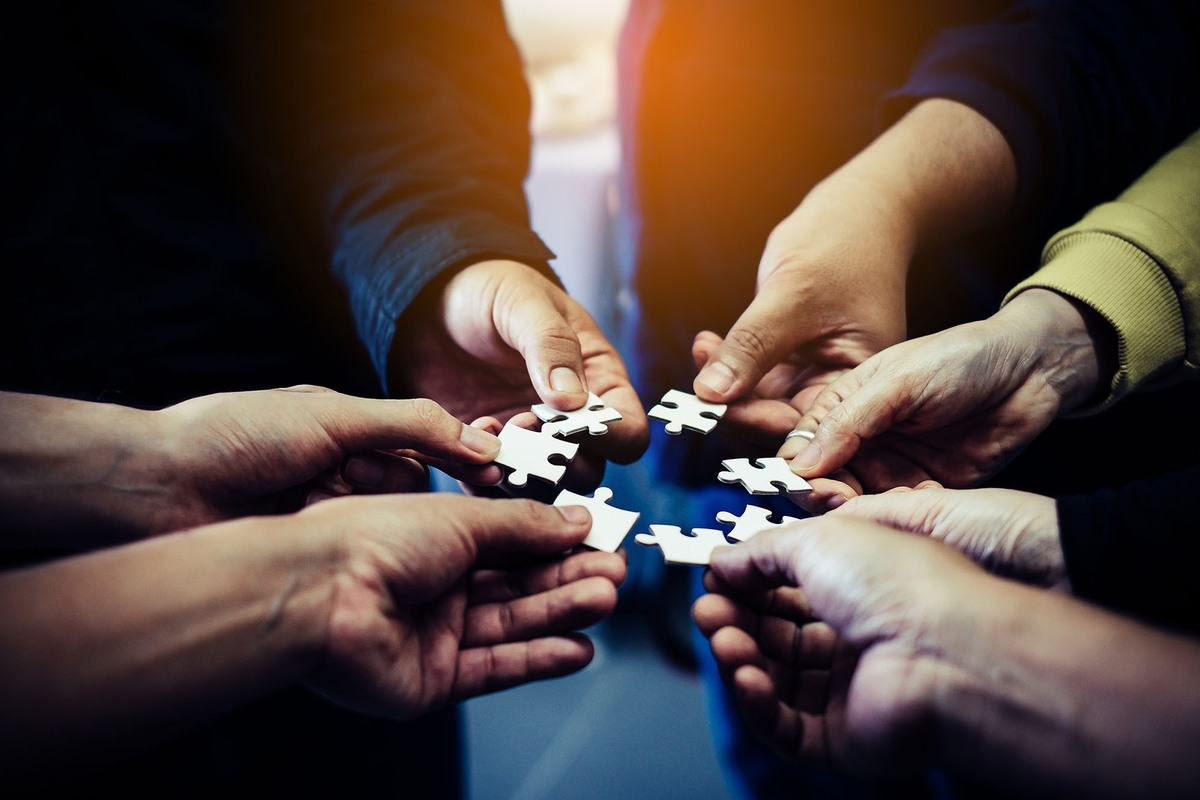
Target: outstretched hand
{"type": "Point", "coordinates": [441, 598]}
{"type": "Point", "coordinates": [836, 673]}
{"type": "Point", "coordinates": [498, 337]}
{"type": "Point", "coordinates": [273, 451]}
{"type": "Point", "coordinates": [954, 406]}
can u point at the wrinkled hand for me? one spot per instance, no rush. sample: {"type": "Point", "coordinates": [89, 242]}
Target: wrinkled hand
{"type": "Point", "coordinates": [498, 337]}
{"type": "Point", "coordinates": [830, 293]}
{"type": "Point", "coordinates": [953, 407]}
{"type": "Point", "coordinates": [854, 691]}
{"type": "Point", "coordinates": [272, 451]}
{"type": "Point", "coordinates": [440, 598]}
{"type": "Point", "coordinates": [1009, 533]}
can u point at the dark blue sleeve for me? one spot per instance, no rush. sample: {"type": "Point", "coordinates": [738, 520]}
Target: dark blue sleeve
{"type": "Point", "coordinates": [409, 122]}
{"type": "Point", "coordinates": [1135, 549]}
{"type": "Point", "coordinates": [1088, 94]}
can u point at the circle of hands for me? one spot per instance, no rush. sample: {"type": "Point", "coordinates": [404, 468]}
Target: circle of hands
{"type": "Point", "coordinates": [443, 600]}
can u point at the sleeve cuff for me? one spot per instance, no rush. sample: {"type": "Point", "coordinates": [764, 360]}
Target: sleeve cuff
{"type": "Point", "coordinates": [1130, 290]}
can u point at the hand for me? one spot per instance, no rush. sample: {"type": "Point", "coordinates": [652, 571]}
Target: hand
{"type": "Point", "coordinates": [1009, 533]}
{"type": "Point", "coordinates": [830, 293]}
{"type": "Point", "coordinates": [954, 406]}
{"type": "Point", "coordinates": [442, 598]}
{"type": "Point", "coordinates": [855, 691]}
{"type": "Point", "coordinates": [831, 283]}
{"type": "Point", "coordinates": [272, 451]}
{"type": "Point", "coordinates": [498, 337]}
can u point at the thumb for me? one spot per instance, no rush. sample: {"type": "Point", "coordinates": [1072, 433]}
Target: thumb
{"type": "Point", "coordinates": [759, 340]}
{"type": "Point", "coordinates": [855, 408]}
{"type": "Point", "coordinates": [534, 323]}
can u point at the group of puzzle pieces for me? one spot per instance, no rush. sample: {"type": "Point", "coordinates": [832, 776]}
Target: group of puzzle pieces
{"type": "Point", "coordinates": [545, 455]}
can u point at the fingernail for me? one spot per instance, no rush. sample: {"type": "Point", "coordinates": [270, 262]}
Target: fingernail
{"type": "Point", "coordinates": [716, 376]}
{"type": "Point", "coordinates": [574, 514]}
{"type": "Point", "coordinates": [479, 441]}
{"type": "Point", "coordinates": [363, 471]}
{"type": "Point", "coordinates": [564, 379]}
{"type": "Point", "coordinates": [837, 501]}
{"type": "Point", "coordinates": [807, 458]}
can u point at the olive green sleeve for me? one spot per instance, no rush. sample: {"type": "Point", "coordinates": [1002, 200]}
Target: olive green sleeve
{"type": "Point", "coordinates": [1136, 261]}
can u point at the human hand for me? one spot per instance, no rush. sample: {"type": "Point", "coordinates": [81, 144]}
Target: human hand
{"type": "Point", "coordinates": [271, 451]}
{"type": "Point", "coordinates": [441, 598]}
{"type": "Point", "coordinates": [830, 293]}
{"type": "Point", "coordinates": [498, 337]}
{"type": "Point", "coordinates": [1012, 534]}
{"type": "Point", "coordinates": [831, 283]}
{"type": "Point", "coordinates": [844, 671]}
{"type": "Point", "coordinates": [954, 406]}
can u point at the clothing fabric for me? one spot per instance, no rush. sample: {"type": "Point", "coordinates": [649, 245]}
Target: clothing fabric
{"type": "Point", "coordinates": [1088, 95]}
{"type": "Point", "coordinates": [1136, 261]}
{"type": "Point", "coordinates": [201, 196]}
{"type": "Point", "coordinates": [1134, 549]}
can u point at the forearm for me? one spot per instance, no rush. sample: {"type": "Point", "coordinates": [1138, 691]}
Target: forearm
{"type": "Point", "coordinates": [108, 652]}
{"type": "Point", "coordinates": [75, 473]}
{"type": "Point", "coordinates": [1084, 701]}
{"type": "Point", "coordinates": [944, 167]}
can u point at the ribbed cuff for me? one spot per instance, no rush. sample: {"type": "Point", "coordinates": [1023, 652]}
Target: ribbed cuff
{"type": "Point", "coordinates": [1129, 289]}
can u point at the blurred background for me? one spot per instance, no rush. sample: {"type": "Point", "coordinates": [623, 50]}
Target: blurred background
{"type": "Point", "coordinates": [633, 724]}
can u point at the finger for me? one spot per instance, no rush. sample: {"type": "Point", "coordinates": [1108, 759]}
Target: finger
{"type": "Point", "coordinates": [492, 586]}
{"type": "Point", "coordinates": [855, 408]}
{"type": "Point", "coordinates": [827, 493]}
{"type": "Point", "coordinates": [374, 472]}
{"type": "Point", "coordinates": [790, 732]}
{"type": "Point", "coordinates": [733, 648]}
{"type": "Point", "coordinates": [530, 316]}
{"type": "Point", "coordinates": [786, 601]}
{"type": "Point", "coordinates": [505, 532]}
{"type": "Point", "coordinates": [565, 608]}
{"type": "Point", "coordinates": [627, 438]}
{"type": "Point", "coordinates": [360, 424]}
{"type": "Point", "coordinates": [761, 337]}
{"type": "Point", "coordinates": [482, 670]}
{"type": "Point", "coordinates": [711, 612]}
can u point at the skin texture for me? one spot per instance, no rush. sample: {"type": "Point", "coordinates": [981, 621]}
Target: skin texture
{"type": "Point", "coordinates": [497, 337]}
{"type": "Point", "coordinates": [390, 605]}
{"type": "Point", "coordinates": [897, 653]}
{"type": "Point", "coordinates": [831, 282]}
{"type": "Point", "coordinates": [76, 474]}
{"type": "Point", "coordinates": [954, 406]}
{"type": "Point", "coordinates": [1010, 533]}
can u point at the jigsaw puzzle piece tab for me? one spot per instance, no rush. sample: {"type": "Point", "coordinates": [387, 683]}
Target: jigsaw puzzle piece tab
{"type": "Point", "coordinates": [753, 521]}
{"type": "Point", "coordinates": [763, 475]}
{"type": "Point", "coordinates": [681, 548]}
{"type": "Point", "coordinates": [610, 525]}
{"type": "Point", "coordinates": [527, 452]}
{"type": "Point", "coordinates": [682, 410]}
{"type": "Point", "coordinates": [593, 418]}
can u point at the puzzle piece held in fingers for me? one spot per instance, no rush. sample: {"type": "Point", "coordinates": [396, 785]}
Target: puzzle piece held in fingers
{"type": "Point", "coordinates": [681, 548]}
{"type": "Point", "coordinates": [753, 521]}
{"type": "Point", "coordinates": [593, 418]}
{"type": "Point", "coordinates": [763, 475]}
{"type": "Point", "coordinates": [682, 410]}
{"type": "Point", "coordinates": [527, 452]}
{"type": "Point", "coordinates": [610, 525]}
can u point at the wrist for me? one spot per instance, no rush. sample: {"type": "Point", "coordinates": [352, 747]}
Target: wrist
{"type": "Point", "coordinates": [1072, 347]}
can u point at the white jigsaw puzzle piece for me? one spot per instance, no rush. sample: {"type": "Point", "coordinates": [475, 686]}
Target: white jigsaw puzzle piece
{"type": "Point", "coordinates": [682, 410]}
{"type": "Point", "coordinates": [680, 548]}
{"type": "Point", "coordinates": [753, 521]}
{"type": "Point", "coordinates": [593, 418]}
{"type": "Point", "coordinates": [527, 452]}
{"type": "Point", "coordinates": [763, 475]}
{"type": "Point", "coordinates": [610, 525]}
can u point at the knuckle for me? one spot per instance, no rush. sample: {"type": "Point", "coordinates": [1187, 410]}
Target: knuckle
{"type": "Point", "coordinates": [750, 341]}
